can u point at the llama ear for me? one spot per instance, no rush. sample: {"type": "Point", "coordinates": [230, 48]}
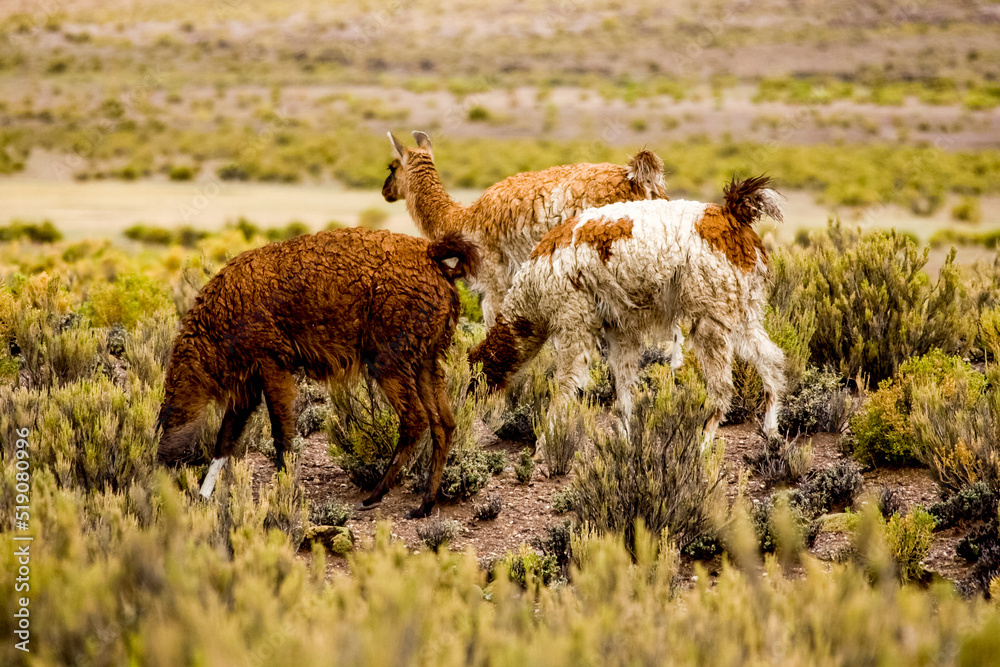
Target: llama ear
{"type": "Point", "coordinates": [398, 151]}
{"type": "Point", "coordinates": [423, 141]}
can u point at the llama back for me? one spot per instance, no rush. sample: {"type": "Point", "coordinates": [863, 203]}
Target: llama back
{"type": "Point", "coordinates": [513, 215]}
{"type": "Point", "coordinates": [627, 255]}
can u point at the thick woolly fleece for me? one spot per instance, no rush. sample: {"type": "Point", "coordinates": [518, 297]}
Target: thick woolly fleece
{"type": "Point", "coordinates": [326, 304]}
{"type": "Point", "coordinates": [510, 217]}
{"type": "Point", "coordinates": [630, 270]}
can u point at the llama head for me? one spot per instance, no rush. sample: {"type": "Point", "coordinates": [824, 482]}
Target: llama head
{"type": "Point", "coordinates": [394, 187]}
{"type": "Point", "coordinates": [506, 348]}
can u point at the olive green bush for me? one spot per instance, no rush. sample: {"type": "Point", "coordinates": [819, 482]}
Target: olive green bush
{"type": "Point", "coordinates": [884, 431]}
{"type": "Point", "coordinates": [654, 473]}
{"type": "Point", "coordinates": [562, 432]}
{"type": "Point", "coordinates": [875, 307]}
{"type": "Point", "coordinates": [956, 430]}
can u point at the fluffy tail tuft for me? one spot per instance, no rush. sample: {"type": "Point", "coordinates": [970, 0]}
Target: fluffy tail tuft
{"type": "Point", "coordinates": [457, 256]}
{"type": "Point", "coordinates": [749, 199]}
{"type": "Point", "coordinates": [645, 169]}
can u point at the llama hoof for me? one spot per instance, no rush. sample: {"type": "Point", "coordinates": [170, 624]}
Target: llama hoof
{"type": "Point", "coordinates": [418, 513]}
{"type": "Point", "coordinates": [365, 506]}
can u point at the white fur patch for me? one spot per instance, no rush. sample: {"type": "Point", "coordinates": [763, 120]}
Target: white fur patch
{"type": "Point", "coordinates": [450, 262]}
{"type": "Point", "coordinates": [213, 475]}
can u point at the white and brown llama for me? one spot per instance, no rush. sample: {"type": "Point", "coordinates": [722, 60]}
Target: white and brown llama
{"type": "Point", "coordinates": [510, 217]}
{"type": "Point", "coordinates": [629, 270]}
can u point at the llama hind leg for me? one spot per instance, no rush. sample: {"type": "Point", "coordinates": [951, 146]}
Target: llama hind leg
{"type": "Point", "coordinates": [401, 390]}
{"type": "Point", "coordinates": [712, 348]}
{"type": "Point", "coordinates": [434, 396]}
{"type": "Point", "coordinates": [755, 346]}
{"type": "Point", "coordinates": [677, 348]}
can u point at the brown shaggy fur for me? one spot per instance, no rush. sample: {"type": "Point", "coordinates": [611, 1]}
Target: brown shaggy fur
{"type": "Point", "coordinates": [508, 347]}
{"type": "Point", "coordinates": [510, 217]}
{"type": "Point", "coordinates": [328, 304]}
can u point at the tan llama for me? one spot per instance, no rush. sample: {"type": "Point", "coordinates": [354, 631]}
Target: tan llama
{"type": "Point", "coordinates": [510, 217]}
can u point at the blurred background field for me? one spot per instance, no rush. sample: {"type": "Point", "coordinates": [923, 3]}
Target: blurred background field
{"type": "Point", "coordinates": [883, 115]}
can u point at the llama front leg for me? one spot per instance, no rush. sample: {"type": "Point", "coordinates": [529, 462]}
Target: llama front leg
{"type": "Point", "coordinates": [676, 350]}
{"type": "Point", "coordinates": [279, 394]}
{"type": "Point", "coordinates": [233, 424]}
{"type": "Point", "coordinates": [714, 352]}
{"type": "Point", "coordinates": [624, 351]}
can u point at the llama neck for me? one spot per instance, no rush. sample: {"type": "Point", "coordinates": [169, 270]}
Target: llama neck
{"type": "Point", "coordinates": [429, 204]}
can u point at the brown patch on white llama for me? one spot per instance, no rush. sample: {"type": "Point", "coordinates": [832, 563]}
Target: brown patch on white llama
{"type": "Point", "coordinates": [729, 228]}
{"type": "Point", "coordinates": [599, 233]}
{"type": "Point", "coordinates": [559, 236]}
{"type": "Point", "coordinates": [738, 243]}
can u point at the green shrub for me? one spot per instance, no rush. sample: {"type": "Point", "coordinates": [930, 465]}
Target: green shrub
{"type": "Point", "coordinates": [478, 113]}
{"type": "Point", "coordinates": [489, 509]}
{"type": "Point", "coordinates": [655, 473]}
{"type": "Point", "coordinates": [149, 234]}
{"type": "Point", "coordinates": [182, 172]}
{"type": "Point", "coordinates": [780, 524]}
{"type": "Point", "coordinates": [562, 434]}
{"type": "Point", "coordinates": [372, 218]}
{"type": "Point", "coordinates": [91, 434]}
{"type": "Point", "coordinates": [830, 489]}
{"type": "Point", "coordinates": [466, 473]}
{"type": "Point", "coordinates": [331, 513]}
{"type": "Point", "coordinates": [883, 430]}
{"type": "Point", "coordinates": [363, 430]}
{"type": "Point", "coordinates": [284, 504]}
{"type": "Point", "coordinates": [967, 210]}
{"type": "Point", "coordinates": [289, 231]}
{"type": "Point", "coordinates": [909, 538]}
{"type": "Point", "coordinates": [438, 532]}
{"type": "Point", "coordinates": [36, 232]}
{"type": "Point", "coordinates": [989, 333]}
{"type": "Point", "coordinates": [565, 499]}
{"type": "Point", "coordinates": [528, 569]}
{"type": "Point", "coordinates": [820, 403]}
{"type": "Point", "coordinates": [974, 503]}
{"type": "Point", "coordinates": [471, 308]}
{"type": "Point", "coordinates": [128, 299]}
{"type": "Point", "coordinates": [957, 432]}
{"type": "Point", "coordinates": [780, 460]}
{"type": "Point", "coordinates": [525, 467]}
{"type": "Point", "coordinates": [875, 307]}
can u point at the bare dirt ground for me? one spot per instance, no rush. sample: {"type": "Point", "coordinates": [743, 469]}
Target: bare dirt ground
{"type": "Point", "coordinates": [527, 508]}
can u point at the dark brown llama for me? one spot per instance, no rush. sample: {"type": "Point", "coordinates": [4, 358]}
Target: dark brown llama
{"type": "Point", "coordinates": [326, 304]}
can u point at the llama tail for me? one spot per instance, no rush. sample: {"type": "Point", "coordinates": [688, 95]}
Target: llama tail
{"type": "Point", "coordinates": [179, 421]}
{"type": "Point", "coordinates": [645, 170]}
{"type": "Point", "coordinates": [747, 200]}
{"type": "Point", "coordinates": [457, 256]}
